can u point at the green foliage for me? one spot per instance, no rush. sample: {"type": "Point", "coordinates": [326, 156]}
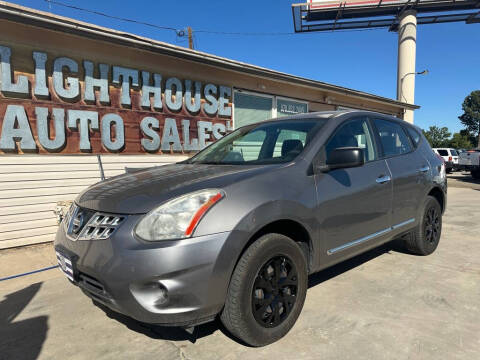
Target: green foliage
{"type": "Point", "coordinates": [437, 137]}
{"type": "Point", "coordinates": [471, 114]}
{"type": "Point", "coordinates": [470, 136]}
{"type": "Point", "coordinates": [460, 141]}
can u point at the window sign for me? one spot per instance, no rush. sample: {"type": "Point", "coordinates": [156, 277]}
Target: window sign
{"type": "Point", "coordinates": [289, 107]}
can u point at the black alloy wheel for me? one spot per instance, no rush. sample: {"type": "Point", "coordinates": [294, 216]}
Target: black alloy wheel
{"type": "Point", "coordinates": [425, 237]}
{"type": "Point", "coordinates": [432, 225]}
{"type": "Point", "coordinates": [274, 291]}
{"type": "Point", "coordinates": [267, 290]}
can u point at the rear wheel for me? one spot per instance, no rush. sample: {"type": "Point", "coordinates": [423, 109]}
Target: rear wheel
{"type": "Point", "coordinates": [267, 290]}
{"type": "Point", "coordinates": [425, 238]}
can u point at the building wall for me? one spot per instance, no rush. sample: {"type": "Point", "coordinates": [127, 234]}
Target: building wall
{"type": "Point", "coordinates": [31, 185]}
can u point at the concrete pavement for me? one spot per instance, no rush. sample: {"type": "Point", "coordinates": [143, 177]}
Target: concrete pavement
{"type": "Point", "coordinates": [463, 179]}
{"type": "Point", "coordinates": [384, 304]}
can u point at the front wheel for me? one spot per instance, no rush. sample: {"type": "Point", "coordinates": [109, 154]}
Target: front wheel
{"type": "Point", "coordinates": [425, 238]}
{"type": "Point", "coordinates": [267, 290]}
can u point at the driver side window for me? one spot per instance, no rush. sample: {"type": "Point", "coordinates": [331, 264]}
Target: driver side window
{"type": "Point", "coordinates": [353, 133]}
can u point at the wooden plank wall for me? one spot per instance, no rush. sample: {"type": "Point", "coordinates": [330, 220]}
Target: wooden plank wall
{"type": "Point", "coordinates": [31, 185]}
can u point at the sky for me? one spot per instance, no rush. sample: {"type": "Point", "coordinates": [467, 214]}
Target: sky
{"type": "Point", "coordinates": [361, 60]}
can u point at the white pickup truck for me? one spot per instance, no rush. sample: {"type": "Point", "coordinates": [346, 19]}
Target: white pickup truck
{"type": "Point", "coordinates": [470, 160]}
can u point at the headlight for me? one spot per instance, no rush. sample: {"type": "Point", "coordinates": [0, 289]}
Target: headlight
{"type": "Point", "coordinates": [177, 218]}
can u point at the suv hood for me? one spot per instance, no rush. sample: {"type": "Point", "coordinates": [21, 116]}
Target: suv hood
{"type": "Point", "coordinates": [141, 191]}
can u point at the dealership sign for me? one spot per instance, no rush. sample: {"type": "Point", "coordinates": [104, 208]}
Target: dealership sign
{"type": "Point", "coordinates": [66, 106]}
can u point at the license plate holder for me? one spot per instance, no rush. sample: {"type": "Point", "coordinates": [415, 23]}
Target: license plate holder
{"type": "Point", "coordinates": [66, 265]}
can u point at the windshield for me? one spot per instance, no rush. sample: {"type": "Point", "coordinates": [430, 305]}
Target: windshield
{"type": "Point", "coordinates": [263, 143]}
{"type": "Point", "coordinates": [454, 152]}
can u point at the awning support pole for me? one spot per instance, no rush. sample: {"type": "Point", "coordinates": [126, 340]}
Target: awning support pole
{"type": "Point", "coordinates": [407, 46]}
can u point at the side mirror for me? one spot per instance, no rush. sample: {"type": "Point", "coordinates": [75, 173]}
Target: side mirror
{"type": "Point", "coordinates": [344, 157]}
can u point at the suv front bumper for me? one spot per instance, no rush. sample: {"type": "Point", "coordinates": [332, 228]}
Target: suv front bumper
{"type": "Point", "coordinates": [174, 282]}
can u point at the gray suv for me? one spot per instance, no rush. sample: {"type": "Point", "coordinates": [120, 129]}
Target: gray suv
{"type": "Point", "coordinates": [235, 230]}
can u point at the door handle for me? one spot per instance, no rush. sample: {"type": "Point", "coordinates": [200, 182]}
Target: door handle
{"type": "Point", "coordinates": [383, 179]}
{"type": "Point", "coordinates": [424, 169]}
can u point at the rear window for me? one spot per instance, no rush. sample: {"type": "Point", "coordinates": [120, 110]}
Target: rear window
{"type": "Point", "coordinates": [414, 135]}
{"type": "Point", "coordinates": [393, 138]}
{"type": "Point", "coordinates": [443, 152]}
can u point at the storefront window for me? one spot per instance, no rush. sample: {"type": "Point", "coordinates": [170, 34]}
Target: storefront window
{"type": "Point", "coordinates": [289, 107]}
{"type": "Point", "coordinates": [250, 108]}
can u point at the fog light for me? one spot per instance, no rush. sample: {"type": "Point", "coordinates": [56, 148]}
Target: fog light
{"type": "Point", "coordinates": [162, 295]}
{"type": "Point", "coordinates": [152, 295]}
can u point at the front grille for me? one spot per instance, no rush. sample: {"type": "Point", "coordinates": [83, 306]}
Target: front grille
{"type": "Point", "coordinates": [100, 227]}
{"type": "Point", "coordinates": [85, 224]}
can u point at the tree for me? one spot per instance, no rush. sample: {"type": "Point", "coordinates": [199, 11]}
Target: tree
{"type": "Point", "coordinates": [460, 141]}
{"type": "Point", "coordinates": [471, 114]}
{"type": "Point", "coordinates": [437, 137]}
{"type": "Point", "coordinates": [469, 135]}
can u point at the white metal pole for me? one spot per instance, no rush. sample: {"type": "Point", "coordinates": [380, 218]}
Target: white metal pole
{"type": "Point", "coordinates": [407, 44]}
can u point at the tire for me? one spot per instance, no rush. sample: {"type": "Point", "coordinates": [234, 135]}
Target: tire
{"type": "Point", "coordinates": [425, 238]}
{"type": "Point", "coordinates": [249, 313]}
{"type": "Point", "coordinates": [475, 173]}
